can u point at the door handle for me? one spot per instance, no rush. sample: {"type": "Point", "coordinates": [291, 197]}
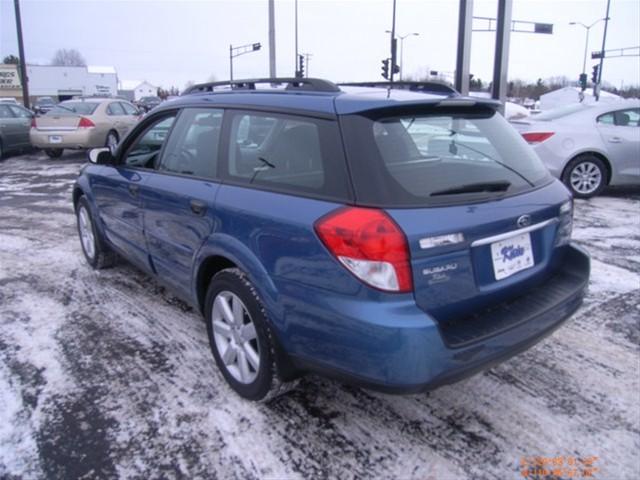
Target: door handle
{"type": "Point", "coordinates": [615, 140]}
{"type": "Point", "coordinates": [133, 190]}
{"type": "Point", "coordinates": [198, 207]}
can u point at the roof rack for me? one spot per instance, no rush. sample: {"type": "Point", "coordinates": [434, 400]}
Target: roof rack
{"type": "Point", "coordinates": [303, 84]}
{"type": "Point", "coordinates": [424, 87]}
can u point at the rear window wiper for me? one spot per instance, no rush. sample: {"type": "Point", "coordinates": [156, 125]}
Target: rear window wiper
{"type": "Point", "coordinates": [501, 186]}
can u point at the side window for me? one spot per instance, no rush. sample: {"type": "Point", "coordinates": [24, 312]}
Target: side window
{"type": "Point", "coordinates": [20, 112]}
{"type": "Point", "coordinates": [606, 119]}
{"type": "Point", "coordinates": [193, 146]}
{"type": "Point", "coordinates": [115, 109]}
{"type": "Point", "coordinates": [286, 153]}
{"type": "Point", "coordinates": [128, 109]}
{"type": "Point", "coordinates": [146, 148]}
{"type": "Point", "coordinates": [5, 112]}
{"type": "Point", "coordinates": [628, 118]}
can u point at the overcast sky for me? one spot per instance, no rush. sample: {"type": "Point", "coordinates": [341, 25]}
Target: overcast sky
{"type": "Point", "coordinates": [173, 41]}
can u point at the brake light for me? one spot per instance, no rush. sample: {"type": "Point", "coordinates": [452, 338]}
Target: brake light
{"type": "Point", "coordinates": [537, 137]}
{"type": "Point", "coordinates": [370, 245]}
{"type": "Point", "coordinates": [33, 122]}
{"type": "Point", "coordinates": [85, 123]}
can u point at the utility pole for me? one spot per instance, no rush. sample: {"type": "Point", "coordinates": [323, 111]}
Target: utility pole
{"type": "Point", "coordinates": [297, 73]}
{"type": "Point", "coordinates": [596, 88]}
{"type": "Point", "coordinates": [501, 57]}
{"type": "Point", "coordinates": [23, 63]}
{"type": "Point", "coordinates": [393, 43]}
{"type": "Point", "coordinates": [272, 40]}
{"type": "Point", "coordinates": [463, 58]}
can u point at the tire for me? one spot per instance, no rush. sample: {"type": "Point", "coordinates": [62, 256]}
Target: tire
{"type": "Point", "coordinates": [97, 254]}
{"type": "Point", "coordinates": [112, 139]}
{"type": "Point", "coordinates": [54, 152]}
{"type": "Point", "coordinates": [248, 334]}
{"type": "Point", "coordinates": [585, 176]}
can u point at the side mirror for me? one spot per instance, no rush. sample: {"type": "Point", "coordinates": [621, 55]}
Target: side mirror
{"type": "Point", "coordinates": [101, 156]}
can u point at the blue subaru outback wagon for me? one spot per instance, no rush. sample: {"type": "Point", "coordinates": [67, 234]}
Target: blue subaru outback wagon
{"type": "Point", "coordinates": [398, 237]}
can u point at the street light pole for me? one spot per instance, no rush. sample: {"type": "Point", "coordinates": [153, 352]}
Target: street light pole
{"type": "Point", "coordinates": [586, 43]}
{"type": "Point", "coordinates": [402, 37]}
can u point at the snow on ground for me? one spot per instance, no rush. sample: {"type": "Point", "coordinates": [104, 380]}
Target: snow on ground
{"type": "Point", "coordinates": [105, 374]}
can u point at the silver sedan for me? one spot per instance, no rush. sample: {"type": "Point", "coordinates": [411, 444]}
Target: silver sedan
{"type": "Point", "coordinates": [588, 146]}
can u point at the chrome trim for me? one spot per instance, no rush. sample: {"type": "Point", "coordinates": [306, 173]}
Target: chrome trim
{"type": "Point", "coordinates": [513, 233]}
{"type": "Point", "coordinates": [54, 129]}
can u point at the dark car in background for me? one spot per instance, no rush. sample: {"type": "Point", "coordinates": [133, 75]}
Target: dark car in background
{"type": "Point", "coordinates": [15, 123]}
{"type": "Point", "coordinates": [391, 239]}
{"type": "Point", "coordinates": [43, 105]}
{"type": "Point", "coordinates": [148, 103]}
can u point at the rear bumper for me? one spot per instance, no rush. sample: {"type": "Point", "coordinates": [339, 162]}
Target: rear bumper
{"type": "Point", "coordinates": [412, 352]}
{"type": "Point", "coordinates": [80, 138]}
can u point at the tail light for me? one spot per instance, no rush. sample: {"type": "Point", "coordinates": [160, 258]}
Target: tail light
{"type": "Point", "coordinates": [370, 245]}
{"type": "Point", "coordinates": [537, 137]}
{"type": "Point", "coordinates": [33, 122]}
{"type": "Point", "coordinates": [85, 123]}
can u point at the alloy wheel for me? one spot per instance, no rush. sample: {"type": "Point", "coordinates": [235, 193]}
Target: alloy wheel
{"type": "Point", "coordinates": [585, 178]}
{"type": "Point", "coordinates": [86, 232]}
{"type": "Point", "coordinates": [235, 337]}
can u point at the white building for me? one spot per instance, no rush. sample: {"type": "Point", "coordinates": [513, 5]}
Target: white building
{"type": "Point", "coordinates": [568, 95]}
{"type": "Point", "coordinates": [134, 90]}
{"type": "Point", "coordinates": [62, 83]}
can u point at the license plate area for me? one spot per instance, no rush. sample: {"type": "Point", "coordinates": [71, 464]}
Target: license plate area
{"type": "Point", "coordinates": [512, 255]}
{"type": "Point", "coordinates": [55, 138]}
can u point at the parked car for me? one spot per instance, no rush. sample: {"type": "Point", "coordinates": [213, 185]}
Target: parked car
{"type": "Point", "coordinates": [83, 123]}
{"type": "Point", "coordinates": [588, 146]}
{"type": "Point", "coordinates": [148, 103]}
{"type": "Point", "coordinates": [43, 105]}
{"type": "Point", "coordinates": [10, 100]}
{"type": "Point", "coordinates": [391, 239]}
{"type": "Point", "coordinates": [15, 122]}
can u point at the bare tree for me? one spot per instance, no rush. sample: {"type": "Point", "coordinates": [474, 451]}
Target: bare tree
{"type": "Point", "coordinates": [11, 59]}
{"type": "Point", "coordinates": [68, 57]}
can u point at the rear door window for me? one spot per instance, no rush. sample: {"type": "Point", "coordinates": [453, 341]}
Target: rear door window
{"type": "Point", "coordinates": [193, 146]}
{"type": "Point", "coordinates": [115, 109]}
{"type": "Point", "coordinates": [287, 153]}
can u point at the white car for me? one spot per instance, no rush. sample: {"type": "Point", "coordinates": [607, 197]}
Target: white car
{"type": "Point", "coordinates": [588, 146]}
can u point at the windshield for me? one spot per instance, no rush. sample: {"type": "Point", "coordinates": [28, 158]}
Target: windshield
{"type": "Point", "coordinates": [414, 160]}
{"type": "Point", "coordinates": [82, 108]}
{"type": "Point", "coordinates": [560, 112]}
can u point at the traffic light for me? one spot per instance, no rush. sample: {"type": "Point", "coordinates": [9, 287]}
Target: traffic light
{"type": "Point", "coordinates": [301, 66]}
{"type": "Point", "coordinates": [594, 75]}
{"type": "Point", "coordinates": [583, 81]}
{"type": "Point", "coordinates": [385, 68]}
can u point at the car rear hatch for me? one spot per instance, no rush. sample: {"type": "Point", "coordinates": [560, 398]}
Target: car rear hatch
{"type": "Point", "coordinates": [481, 214]}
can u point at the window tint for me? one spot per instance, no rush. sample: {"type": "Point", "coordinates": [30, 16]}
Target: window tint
{"type": "Point", "coordinates": [83, 108]}
{"type": "Point", "coordinates": [128, 109]}
{"type": "Point", "coordinates": [193, 146]}
{"type": "Point", "coordinates": [287, 153]}
{"type": "Point", "coordinates": [146, 148]}
{"type": "Point", "coordinates": [422, 159]}
{"type": "Point", "coordinates": [20, 112]}
{"type": "Point", "coordinates": [606, 119]}
{"type": "Point", "coordinates": [5, 112]}
{"type": "Point", "coordinates": [115, 108]}
{"type": "Point", "coordinates": [628, 118]}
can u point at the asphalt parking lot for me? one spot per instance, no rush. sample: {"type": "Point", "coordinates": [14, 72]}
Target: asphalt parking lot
{"type": "Point", "coordinates": [106, 374]}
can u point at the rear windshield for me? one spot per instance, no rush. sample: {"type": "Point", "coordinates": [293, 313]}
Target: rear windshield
{"type": "Point", "coordinates": [82, 108]}
{"type": "Point", "coordinates": [449, 157]}
{"type": "Point", "coordinates": [560, 112]}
